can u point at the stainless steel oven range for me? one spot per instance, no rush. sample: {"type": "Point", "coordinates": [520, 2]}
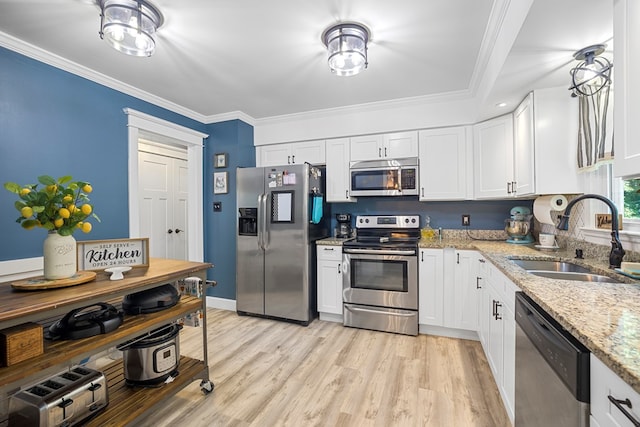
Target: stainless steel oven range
{"type": "Point", "coordinates": [380, 287]}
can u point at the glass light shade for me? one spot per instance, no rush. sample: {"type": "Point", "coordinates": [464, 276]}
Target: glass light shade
{"type": "Point", "coordinates": [129, 26]}
{"type": "Point", "coordinates": [592, 74]}
{"type": "Point", "coordinates": [347, 47]}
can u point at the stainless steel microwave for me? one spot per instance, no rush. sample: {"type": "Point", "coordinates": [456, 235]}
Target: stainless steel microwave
{"type": "Point", "coordinates": [396, 177]}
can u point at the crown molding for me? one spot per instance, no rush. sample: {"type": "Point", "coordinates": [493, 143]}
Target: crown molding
{"type": "Point", "coordinates": [232, 115]}
{"type": "Point", "coordinates": [61, 63]}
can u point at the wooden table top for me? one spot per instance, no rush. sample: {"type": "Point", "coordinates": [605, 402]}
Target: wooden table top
{"type": "Point", "coordinates": [16, 304]}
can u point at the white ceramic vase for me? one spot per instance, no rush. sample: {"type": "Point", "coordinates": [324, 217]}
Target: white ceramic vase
{"type": "Point", "coordinates": [59, 256]}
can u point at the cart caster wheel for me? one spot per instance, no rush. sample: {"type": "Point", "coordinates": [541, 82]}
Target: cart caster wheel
{"type": "Point", "coordinates": [206, 386]}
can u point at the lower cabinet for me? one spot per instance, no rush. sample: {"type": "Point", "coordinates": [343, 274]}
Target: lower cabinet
{"type": "Point", "coordinates": [460, 295]}
{"type": "Point", "coordinates": [329, 282]}
{"type": "Point", "coordinates": [497, 330]}
{"type": "Point", "coordinates": [606, 385]}
{"type": "Point", "coordinates": [431, 287]}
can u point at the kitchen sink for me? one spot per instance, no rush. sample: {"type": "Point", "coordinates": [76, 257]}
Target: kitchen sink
{"type": "Point", "coordinates": [561, 270]}
{"type": "Point", "coordinates": [547, 265]}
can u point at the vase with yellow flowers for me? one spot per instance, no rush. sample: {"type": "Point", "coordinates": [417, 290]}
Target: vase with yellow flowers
{"type": "Point", "coordinates": [60, 206]}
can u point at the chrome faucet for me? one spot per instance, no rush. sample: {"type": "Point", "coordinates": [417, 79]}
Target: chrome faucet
{"type": "Point", "coordinates": [617, 253]}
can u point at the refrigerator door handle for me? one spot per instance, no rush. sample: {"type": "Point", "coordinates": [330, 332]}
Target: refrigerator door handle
{"type": "Point", "coordinates": [265, 230]}
{"type": "Point", "coordinates": [261, 213]}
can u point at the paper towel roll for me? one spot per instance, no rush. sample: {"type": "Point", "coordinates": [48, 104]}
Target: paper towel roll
{"type": "Point", "coordinates": [544, 208]}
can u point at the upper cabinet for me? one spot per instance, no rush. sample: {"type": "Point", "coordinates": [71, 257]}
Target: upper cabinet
{"type": "Point", "coordinates": [493, 158]}
{"type": "Point", "coordinates": [388, 146]}
{"type": "Point", "coordinates": [626, 33]}
{"type": "Point", "coordinates": [530, 153]}
{"type": "Point", "coordinates": [445, 163]}
{"type": "Point", "coordinates": [337, 185]}
{"type": "Point", "coordinates": [295, 153]}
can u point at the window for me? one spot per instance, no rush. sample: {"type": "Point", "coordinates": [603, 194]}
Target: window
{"type": "Point", "coordinates": [631, 197]}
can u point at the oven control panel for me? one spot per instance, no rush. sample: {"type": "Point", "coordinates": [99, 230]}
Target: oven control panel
{"type": "Point", "coordinates": [388, 221]}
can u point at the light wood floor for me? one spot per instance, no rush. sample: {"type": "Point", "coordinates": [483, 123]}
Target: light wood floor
{"type": "Point", "coordinates": [272, 373]}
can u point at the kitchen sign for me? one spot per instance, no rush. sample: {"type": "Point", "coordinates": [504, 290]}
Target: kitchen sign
{"type": "Point", "coordinates": [101, 254]}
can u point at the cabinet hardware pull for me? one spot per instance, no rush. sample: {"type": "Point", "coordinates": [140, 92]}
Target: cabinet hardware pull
{"type": "Point", "coordinates": [493, 310]}
{"type": "Point", "coordinates": [422, 188]}
{"type": "Point", "coordinates": [346, 194]}
{"type": "Point", "coordinates": [288, 160]}
{"type": "Point", "coordinates": [178, 231]}
{"type": "Point", "coordinates": [458, 260]}
{"type": "Point", "coordinates": [169, 231]}
{"type": "Point", "coordinates": [385, 151]}
{"type": "Point", "coordinates": [514, 188]}
{"type": "Point", "coordinates": [327, 249]}
{"type": "Point", "coordinates": [293, 159]}
{"type": "Point", "coordinates": [508, 188]}
{"type": "Point", "coordinates": [478, 282]}
{"type": "Point", "coordinates": [498, 316]}
{"type": "Point", "coordinates": [339, 268]}
{"type": "Point", "coordinates": [618, 404]}
{"type": "Point", "coordinates": [421, 256]}
{"type": "Point", "coordinates": [481, 260]}
{"type": "Point", "coordinates": [379, 152]}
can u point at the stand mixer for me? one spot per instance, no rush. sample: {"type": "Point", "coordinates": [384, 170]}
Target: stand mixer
{"type": "Point", "coordinates": [518, 227]}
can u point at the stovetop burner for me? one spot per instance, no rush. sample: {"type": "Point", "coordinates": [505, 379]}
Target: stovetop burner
{"type": "Point", "coordinates": [388, 231]}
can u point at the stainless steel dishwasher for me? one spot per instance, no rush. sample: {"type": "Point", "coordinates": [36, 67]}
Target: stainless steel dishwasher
{"type": "Point", "coordinates": [552, 371]}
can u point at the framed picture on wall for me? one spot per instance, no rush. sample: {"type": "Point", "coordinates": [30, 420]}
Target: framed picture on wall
{"type": "Point", "coordinates": [220, 182]}
{"type": "Point", "coordinates": [220, 160]}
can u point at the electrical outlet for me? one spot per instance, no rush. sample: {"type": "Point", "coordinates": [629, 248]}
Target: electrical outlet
{"type": "Point", "coordinates": [466, 220]}
{"type": "Point", "coordinates": [217, 206]}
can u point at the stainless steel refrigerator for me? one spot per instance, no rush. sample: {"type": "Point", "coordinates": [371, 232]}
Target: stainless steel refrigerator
{"type": "Point", "coordinates": [281, 213]}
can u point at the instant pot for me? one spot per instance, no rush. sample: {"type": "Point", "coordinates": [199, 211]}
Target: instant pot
{"type": "Point", "coordinates": [150, 359]}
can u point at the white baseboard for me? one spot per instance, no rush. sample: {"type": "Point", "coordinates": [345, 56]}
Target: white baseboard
{"type": "Point", "coordinates": [221, 303]}
{"type": "Point", "coordinates": [448, 332]}
{"type": "Point", "coordinates": [20, 269]}
{"type": "Point", "coordinates": [330, 317]}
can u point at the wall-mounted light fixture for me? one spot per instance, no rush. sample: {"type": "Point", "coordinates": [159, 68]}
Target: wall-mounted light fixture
{"type": "Point", "coordinates": [347, 47]}
{"type": "Point", "coordinates": [593, 72]}
{"type": "Point", "coordinates": [129, 26]}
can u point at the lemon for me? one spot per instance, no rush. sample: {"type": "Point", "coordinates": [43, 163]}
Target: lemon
{"type": "Point", "coordinates": [25, 191]}
{"type": "Point", "coordinates": [26, 212]}
{"type": "Point", "coordinates": [52, 188]}
{"type": "Point", "coordinates": [64, 213]}
{"type": "Point", "coordinates": [72, 208]}
{"type": "Point", "coordinates": [87, 188]}
{"type": "Point", "coordinates": [67, 199]}
{"type": "Point", "coordinates": [86, 209]}
{"type": "Point", "coordinates": [79, 224]}
{"type": "Point", "coordinates": [58, 222]}
{"type": "Point", "coordinates": [86, 227]}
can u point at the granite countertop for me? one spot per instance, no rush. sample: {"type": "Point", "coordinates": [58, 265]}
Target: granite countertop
{"type": "Point", "coordinates": [605, 317]}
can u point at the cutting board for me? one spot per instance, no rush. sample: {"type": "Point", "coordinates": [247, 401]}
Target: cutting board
{"type": "Point", "coordinates": [39, 283]}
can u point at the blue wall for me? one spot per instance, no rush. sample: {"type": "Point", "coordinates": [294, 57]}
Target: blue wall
{"type": "Point", "coordinates": [55, 123]}
{"type": "Point", "coordinates": [236, 139]}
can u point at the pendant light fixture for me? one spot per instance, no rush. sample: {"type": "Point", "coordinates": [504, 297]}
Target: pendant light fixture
{"type": "Point", "coordinates": [130, 26]}
{"type": "Point", "coordinates": [593, 72]}
{"type": "Point", "coordinates": [347, 47]}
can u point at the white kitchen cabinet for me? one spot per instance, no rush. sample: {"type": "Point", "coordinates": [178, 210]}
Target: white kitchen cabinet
{"type": "Point", "coordinates": [430, 287]}
{"type": "Point", "coordinates": [294, 153]}
{"type": "Point", "coordinates": [493, 158]}
{"type": "Point", "coordinates": [498, 297]}
{"type": "Point", "coordinates": [387, 146]}
{"type": "Point", "coordinates": [626, 33]}
{"type": "Point", "coordinates": [523, 149]}
{"type": "Point", "coordinates": [337, 171]}
{"type": "Point", "coordinates": [555, 130]}
{"type": "Point", "coordinates": [460, 293]}
{"type": "Point", "coordinates": [482, 280]}
{"type": "Point", "coordinates": [329, 282]}
{"type": "Point", "coordinates": [445, 163]}
{"type": "Point", "coordinates": [605, 383]}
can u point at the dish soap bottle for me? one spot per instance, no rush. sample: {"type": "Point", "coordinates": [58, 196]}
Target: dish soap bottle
{"type": "Point", "coordinates": [427, 233]}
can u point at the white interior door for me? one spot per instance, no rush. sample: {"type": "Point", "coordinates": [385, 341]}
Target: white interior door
{"type": "Point", "coordinates": [163, 201]}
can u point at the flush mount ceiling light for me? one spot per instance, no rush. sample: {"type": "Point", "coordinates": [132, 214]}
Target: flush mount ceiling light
{"type": "Point", "coordinates": [129, 26]}
{"type": "Point", "coordinates": [593, 72]}
{"type": "Point", "coordinates": [347, 46]}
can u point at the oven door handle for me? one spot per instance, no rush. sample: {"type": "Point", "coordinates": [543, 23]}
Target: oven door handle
{"type": "Point", "coordinates": [380, 251]}
{"type": "Point", "coordinates": [366, 310]}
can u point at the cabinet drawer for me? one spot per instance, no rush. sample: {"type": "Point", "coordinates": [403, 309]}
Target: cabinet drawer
{"type": "Point", "coordinates": [330, 253]}
{"type": "Point", "coordinates": [605, 383]}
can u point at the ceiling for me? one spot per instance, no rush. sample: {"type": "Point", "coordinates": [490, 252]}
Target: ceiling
{"type": "Point", "coordinates": [266, 59]}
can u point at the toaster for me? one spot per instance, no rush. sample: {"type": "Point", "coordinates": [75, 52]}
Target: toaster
{"type": "Point", "coordinates": [65, 399]}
